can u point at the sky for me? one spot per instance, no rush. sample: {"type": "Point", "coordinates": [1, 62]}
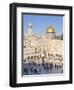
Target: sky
{"type": "Point", "coordinates": [40, 23]}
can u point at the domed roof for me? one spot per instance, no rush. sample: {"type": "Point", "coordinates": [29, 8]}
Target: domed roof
{"type": "Point", "coordinates": [50, 29]}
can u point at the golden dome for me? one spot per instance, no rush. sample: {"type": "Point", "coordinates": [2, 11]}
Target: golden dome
{"type": "Point", "coordinates": [50, 29]}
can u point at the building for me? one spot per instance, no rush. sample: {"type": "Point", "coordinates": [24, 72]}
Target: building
{"type": "Point", "coordinates": [39, 48]}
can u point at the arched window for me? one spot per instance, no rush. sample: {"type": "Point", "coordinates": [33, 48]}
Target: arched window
{"type": "Point", "coordinates": [28, 57]}
{"type": "Point", "coordinates": [31, 57]}
{"type": "Point", "coordinates": [34, 57]}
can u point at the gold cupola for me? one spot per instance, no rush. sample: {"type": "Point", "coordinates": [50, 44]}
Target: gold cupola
{"type": "Point", "coordinates": [50, 29]}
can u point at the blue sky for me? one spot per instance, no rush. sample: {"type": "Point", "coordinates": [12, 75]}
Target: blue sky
{"type": "Point", "coordinates": [41, 22]}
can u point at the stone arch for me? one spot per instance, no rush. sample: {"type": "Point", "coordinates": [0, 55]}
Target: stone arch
{"type": "Point", "coordinates": [34, 57]}
{"type": "Point", "coordinates": [28, 57]}
{"type": "Point", "coordinates": [31, 57]}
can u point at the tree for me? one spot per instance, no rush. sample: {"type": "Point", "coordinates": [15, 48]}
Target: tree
{"type": "Point", "coordinates": [61, 36]}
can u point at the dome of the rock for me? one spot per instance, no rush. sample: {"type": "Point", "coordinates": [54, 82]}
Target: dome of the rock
{"type": "Point", "coordinates": [50, 29]}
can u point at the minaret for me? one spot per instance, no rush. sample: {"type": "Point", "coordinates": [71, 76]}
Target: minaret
{"type": "Point", "coordinates": [30, 28]}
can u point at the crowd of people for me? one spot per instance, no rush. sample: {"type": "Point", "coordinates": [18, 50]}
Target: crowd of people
{"type": "Point", "coordinates": [44, 68]}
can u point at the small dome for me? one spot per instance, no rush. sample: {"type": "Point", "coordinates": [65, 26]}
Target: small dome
{"type": "Point", "coordinates": [50, 30]}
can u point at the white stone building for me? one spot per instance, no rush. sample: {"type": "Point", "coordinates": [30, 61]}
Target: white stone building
{"type": "Point", "coordinates": [37, 48]}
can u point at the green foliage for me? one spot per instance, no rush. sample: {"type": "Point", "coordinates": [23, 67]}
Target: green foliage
{"type": "Point", "coordinates": [59, 37]}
